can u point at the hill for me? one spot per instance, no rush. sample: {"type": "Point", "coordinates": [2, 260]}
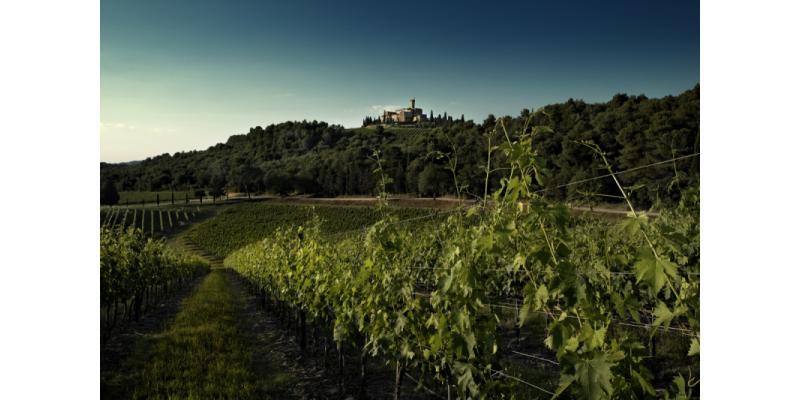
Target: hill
{"type": "Point", "coordinates": [318, 158]}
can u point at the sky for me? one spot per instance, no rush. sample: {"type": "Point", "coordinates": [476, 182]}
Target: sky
{"type": "Point", "coordinates": [179, 75]}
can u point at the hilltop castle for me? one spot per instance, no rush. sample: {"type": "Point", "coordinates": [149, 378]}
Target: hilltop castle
{"type": "Point", "coordinates": [408, 115]}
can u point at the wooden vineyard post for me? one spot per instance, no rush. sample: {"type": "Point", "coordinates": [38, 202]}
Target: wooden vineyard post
{"type": "Point", "coordinates": [652, 338]}
{"type": "Point", "coordinates": [302, 331]}
{"type": "Point", "coordinates": [116, 216]}
{"type": "Point", "coordinates": [516, 318]}
{"type": "Point", "coordinates": [362, 362]}
{"type": "Point", "coordinates": [398, 379]}
{"type": "Point", "coordinates": [124, 219]}
{"type": "Point", "coordinates": [340, 353]}
{"type": "Point", "coordinates": [545, 326]}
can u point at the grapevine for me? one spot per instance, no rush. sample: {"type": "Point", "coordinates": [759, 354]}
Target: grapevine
{"type": "Point", "coordinates": [135, 271]}
{"type": "Point", "coordinates": [421, 298]}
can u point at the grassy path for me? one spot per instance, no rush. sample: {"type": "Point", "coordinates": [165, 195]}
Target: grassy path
{"type": "Point", "coordinates": [204, 354]}
{"type": "Point", "coordinates": [217, 343]}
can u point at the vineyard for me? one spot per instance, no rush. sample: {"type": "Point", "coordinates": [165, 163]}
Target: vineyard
{"type": "Point", "coordinates": [150, 220]}
{"type": "Point", "coordinates": [454, 304]}
{"type": "Point", "coordinates": [513, 297]}
{"type": "Point", "coordinates": [242, 224]}
{"type": "Point", "coordinates": [135, 272]}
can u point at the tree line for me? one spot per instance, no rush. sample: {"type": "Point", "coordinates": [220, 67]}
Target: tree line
{"type": "Point", "coordinates": [431, 122]}
{"type": "Point", "coordinates": [322, 159]}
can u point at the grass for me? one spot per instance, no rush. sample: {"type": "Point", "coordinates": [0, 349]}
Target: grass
{"type": "Point", "coordinates": [202, 355]}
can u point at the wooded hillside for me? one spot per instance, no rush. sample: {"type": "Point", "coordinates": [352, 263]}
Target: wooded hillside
{"type": "Point", "coordinates": [318, 158]}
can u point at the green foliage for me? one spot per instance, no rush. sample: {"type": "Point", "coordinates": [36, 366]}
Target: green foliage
{"type": "Point", "coordinates": [594, 282]}
{"type": "Point", "coordinates": [136, 197]}
{"type": "Point", "coordinates": [203, 354]}
{"type": "Point", "coordinates": [130, 261]}
{"type": "Point", "coordinates": [654, 272]}
{"type": "Point", "coordinates": [133, 266]}
{"type": "Point", "coordinates": [370, 287]}
{"type": "Point", "coordinates": [146, 218]}
{"type": "Point", "coordinates": [108, 193]}
{"type": "Point", "coordinates": [241, 224]}
{"type": "Point", "coordinates": [594, 377]}
{"type": "Point", "coordinates": [317, 158]}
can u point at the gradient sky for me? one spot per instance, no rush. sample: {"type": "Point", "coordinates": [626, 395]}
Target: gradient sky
{"type": "Point", "coordinates": [185, 74]}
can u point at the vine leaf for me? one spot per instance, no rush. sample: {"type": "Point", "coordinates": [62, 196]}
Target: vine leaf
{"type": "Point", "coordinates": [539, 177]}
{"type": "Point", "coordinates": [593, 338]}
{"type": "Point", "coordinates": [541, 296]}
{"type": "Point", "coordinates": [664, 315]}
{"type": "Point", "coordinates": [566, 381]}
{"type": "Point", "coordinates": [594, 376]}
{"type": "Point", "coordinates": [679, 383]}
{"type": "Point", "coordinates": [405, 351]}
{"type": "Point", "coordinates": [654, 272]}
{"type": "Point", "coordinates": [464, 378]}
{"type": "Point", "coordinates": [643, 383]}
{"type": "Point", "coordinates": [631, 226]}
{"type": "Point", "coordinates": [469, 340]}
{"type": "Point", "coordinates": [694, 349]}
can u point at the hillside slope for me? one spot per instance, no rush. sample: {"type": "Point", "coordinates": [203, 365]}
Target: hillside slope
{"type": "Point", "coordinates": [318, 158]}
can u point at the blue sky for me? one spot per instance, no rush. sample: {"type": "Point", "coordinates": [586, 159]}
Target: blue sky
{"type": "Point", "coordinates": [186, 74]}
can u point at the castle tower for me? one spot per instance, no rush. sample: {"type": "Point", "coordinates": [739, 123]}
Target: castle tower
{"type": "Point", "coordinates": [413, 102]}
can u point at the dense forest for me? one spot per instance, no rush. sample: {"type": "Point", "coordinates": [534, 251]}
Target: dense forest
{"type": "Point", "coordinates": [322, 159]}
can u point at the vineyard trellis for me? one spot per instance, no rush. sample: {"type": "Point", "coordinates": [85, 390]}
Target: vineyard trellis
{"type": "Point", "coordinates": [592, 284]}
{"type": "Point", "coordinates": [155, 223]}
{"type": "Point", "coordinates": [135, 271]}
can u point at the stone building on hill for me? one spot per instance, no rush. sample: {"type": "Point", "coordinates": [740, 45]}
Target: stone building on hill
{"type": "Point", "coordinates": [408, 115]}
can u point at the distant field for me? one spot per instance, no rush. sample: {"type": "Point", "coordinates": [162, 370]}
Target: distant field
{"type": "Point", "coordinates": [150, 197]}
{"type": "Point", "coordinates": [242, 224]}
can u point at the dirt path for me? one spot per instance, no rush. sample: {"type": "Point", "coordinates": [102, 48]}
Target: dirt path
{"type": "Point", "coordinates": [611, 211]}
{"type": "Point", "coordinates": [221, 344]}
{"type": "Point", "coordinates": [204, 353]}
{"type": "Point", "coordinates": [276, 361]}
{"type": "Point", "coordinates": [274, 354]}
{"type": "Point", "coordinates": [214, 340]}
